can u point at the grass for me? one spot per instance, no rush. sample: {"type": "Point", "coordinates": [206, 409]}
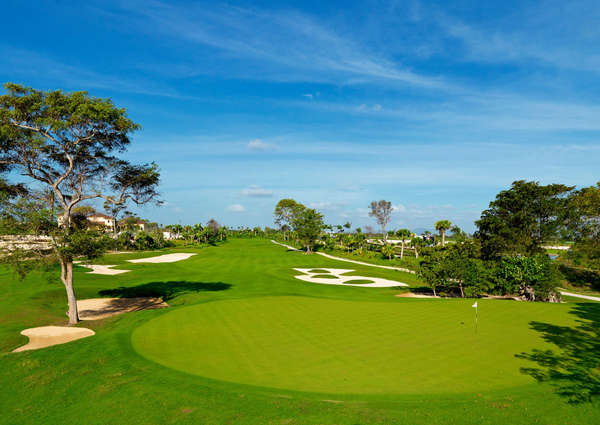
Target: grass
{"type": "Point", "coordinates": [373, 257]}
{"type": "Point", "coordinates": [266, 348]}
{"type": "Point", "coordinates": [358, 281]}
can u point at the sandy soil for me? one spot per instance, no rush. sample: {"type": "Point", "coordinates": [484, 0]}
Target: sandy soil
{"type": "Point", "coordinates": [46, 336]}
{"type": "Point", "coordinates": [103, 269]}
{"type": "Point", "coordinates": [309, 276]}
{"type": "Point", "coordinates": [100, 308]}
{"type": "Point", "coordinates": [167, 258]}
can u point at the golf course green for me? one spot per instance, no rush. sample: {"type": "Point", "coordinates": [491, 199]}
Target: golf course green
{"type": "Point", "coordinates": [245, 342]}
{"type": "Point", "coordinates": [335, 346]}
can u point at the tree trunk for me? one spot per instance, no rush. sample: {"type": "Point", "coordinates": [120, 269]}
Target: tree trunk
{"type": "Point", "coordinates": [462, 292]}
{"type": "Point", "coordinates": [67, 280]}
{"type": "Point", "coordinates": [384, 235]}
{"type": "Point", "coordinates": [402, 250]}
{"type": "Point", "coordinates": [434, 293]}
{"type": "Point", "coordinates": [444, 238]}
{"type": "Point", "coordinates": [115, 233]}
{"type": "Point", "coordinates": [307, 248]}
{"type": "Point", "coordinates": [416, 253]}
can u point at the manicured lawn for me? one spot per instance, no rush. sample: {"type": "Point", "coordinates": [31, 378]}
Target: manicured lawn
{"type": "Point", "coordinates": [349, 347]}
{"type": "Point", "coordinates": [244, 342]}
{"type": "Point", "coordinates": [373, 257]}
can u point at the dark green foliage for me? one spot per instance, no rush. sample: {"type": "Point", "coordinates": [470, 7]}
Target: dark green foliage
{"type": "Point", "coordinates": [522, 218]}
{"type": "Point", "coordinates": [457, 268]}
{"type": "Point", "coordinates": [308, 225]}
{"type": "Point", "coordinates": [83, 243]}
{"type": "Point", "coordinates": [534, 278]}
{"type": "Point", "coordinates": [584, 227]}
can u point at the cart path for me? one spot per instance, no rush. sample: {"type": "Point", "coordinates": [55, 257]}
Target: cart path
{"type": "Point", "coordinates": [400, 269]}
{"type": "Point", "coordinates": [585, 297]}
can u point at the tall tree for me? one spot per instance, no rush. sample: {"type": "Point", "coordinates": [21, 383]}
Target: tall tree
{"type": "Point", "coordinates": [521, 218]}
{"type": "Point", "coordinates": [417, 242]}
{"type": "Point", "coordinates": [584, 225]}
{"type": "Point", "coordinates": [442, 226]}
{"type": "Point", "coordinates": [65, 143]}
{"type": "Point", "coordinates": [403, 234]}
{"type": "Point", "coordinates": [382, 211]}
{"type": "Point", "coordinates": [285, 212]}
{"type": "Point", "coordinates": [308, 225]}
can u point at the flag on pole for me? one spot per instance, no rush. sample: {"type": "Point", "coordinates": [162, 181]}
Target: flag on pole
{"type": "Point", "coordinates": [474, 305]}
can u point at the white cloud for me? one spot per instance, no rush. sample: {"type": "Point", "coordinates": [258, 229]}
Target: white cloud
{"type": "Point", "coordinates": [235, 208]}
{"type": "Point", "coordinates": [291, 45]}
{"type": "Point", "coordinates": [308, 95]}
{"type": "Point", "coordinates": [255, 191]}
{"type": "Point", "coordinates": [398, 208]}
{"type": "Point", "coordinates": [369, 108]}
{"type": "Point", "coordinates": [326, 205]}
{"type": "Point", "coordinates": [259, 145]}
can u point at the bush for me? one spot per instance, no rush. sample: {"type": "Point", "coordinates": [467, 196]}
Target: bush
{"type": "Point", "coordinates": [534, 278]}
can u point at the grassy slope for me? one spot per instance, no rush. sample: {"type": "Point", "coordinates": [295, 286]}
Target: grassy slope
{"type": "Point", "coordinates": [372, 257]}
{"type": "Point", "coordinates": [103, 380]}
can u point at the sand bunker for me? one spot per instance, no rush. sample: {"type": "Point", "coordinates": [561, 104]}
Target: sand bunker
{"type": "Point", "coordinates": [100, 308]}
{"type": "Point", "coordinates": [46, 336]}
{"type": "Point", "coordinates": [167, 258]}
{"type": "Point", "coordinates": [103, 269]}
{"type": "Point", "coordinates": [334, 277]}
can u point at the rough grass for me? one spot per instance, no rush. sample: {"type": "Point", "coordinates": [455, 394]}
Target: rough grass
{"type": "Point", "coordinates": [103, 379]}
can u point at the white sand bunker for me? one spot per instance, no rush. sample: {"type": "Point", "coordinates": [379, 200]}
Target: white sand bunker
{"type": "Point", "coordinates": [167, 258]}
{"type": "Point", "coordinates": [46, 336]}
{"type": "Point", "coordinates": [100, 308]}
{"type": "Point", "coordinates": [103, 269]}
{"type": "Point", "coordinates": [334, 277]}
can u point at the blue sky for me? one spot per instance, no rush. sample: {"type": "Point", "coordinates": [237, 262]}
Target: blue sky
{"type": "Point", "coordinates": [435, 106]}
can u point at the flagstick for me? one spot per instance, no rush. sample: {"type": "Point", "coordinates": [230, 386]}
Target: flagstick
{"type": "Point", "coordinates": [476, 317]}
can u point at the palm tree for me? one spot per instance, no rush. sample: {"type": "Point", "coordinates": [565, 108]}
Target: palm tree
{"type": "Point", "coordinates": [441, 226]}
{"type": "Point", "coordinates": [388, 250]}
{"type": "Point", "coordinates": [403, 234]}
{"type": "Point", "coordinates": [417, 242]}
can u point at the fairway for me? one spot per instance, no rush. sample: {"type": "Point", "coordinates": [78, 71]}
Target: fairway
{"type": "Point", "coordinates": [348, 347]}
{"type": "Point", "coordinates": [243, 341]}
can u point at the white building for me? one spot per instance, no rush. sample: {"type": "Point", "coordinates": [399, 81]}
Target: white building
{"type": "Point", "coordinates": [102, 220]}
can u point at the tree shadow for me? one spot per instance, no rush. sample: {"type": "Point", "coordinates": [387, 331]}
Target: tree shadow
{"type": "Point", "coordinates": [574, 368]}
{"type": "Point", "coordinates": [581, 277]}
{"type": "Point", "coordinates": [164, 290]}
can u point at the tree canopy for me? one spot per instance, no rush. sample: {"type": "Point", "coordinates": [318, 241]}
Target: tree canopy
{"type": "Point", "coordinates": [65, 144]}
{"type": "Point", "coordinates": [382, 211]}
{"type": "Point", "coordinates": [522, 218]}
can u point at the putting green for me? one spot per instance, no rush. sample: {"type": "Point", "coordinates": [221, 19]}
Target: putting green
{"type": "Point", "coordinates": [350, 347]}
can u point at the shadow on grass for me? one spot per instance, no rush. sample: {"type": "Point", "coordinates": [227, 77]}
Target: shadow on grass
{"type": "Point", "coordinates": [573, 369]}
{"type": "Point", "coordinates": [164, 290]}
{"type": "Point", "coordinates": [581, 277]}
